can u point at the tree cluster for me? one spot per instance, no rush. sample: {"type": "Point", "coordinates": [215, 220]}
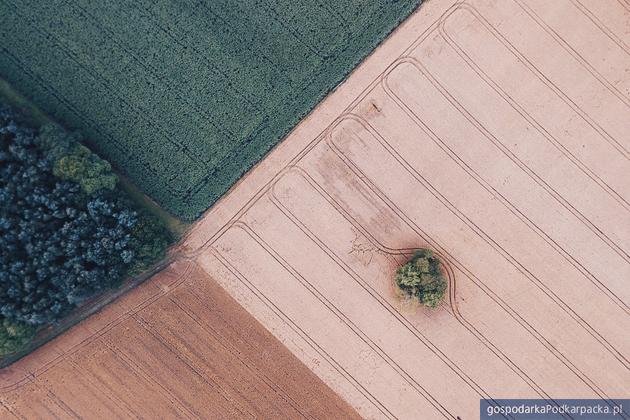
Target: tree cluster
{"type": "Point", "coordinates": [67, 231]}
{"type": "Point", "coordinates": [422, 278]}
{"type": "Point", "coordinates": [14, 335]}
{"type": "Point", "coordinates": [75, 162]}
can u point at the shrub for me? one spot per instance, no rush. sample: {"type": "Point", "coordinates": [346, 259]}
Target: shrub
{"type": "Point", "coordinates": [422, 278]}
{"type": "Point", "coordinates": [75, 162]}
{"type": "Point", "coordinates": [14, 335]}
{"type": "Point", "coordinates": [149, 240]}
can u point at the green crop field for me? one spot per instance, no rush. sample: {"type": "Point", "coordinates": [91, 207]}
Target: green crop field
{"type": "Point", "coordinates": [185, 96]}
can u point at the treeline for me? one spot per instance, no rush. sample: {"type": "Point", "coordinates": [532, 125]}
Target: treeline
{"type": "Point", "coordinates": [67, 231]}
{"type": "Point", "coordinates": [421, 277]}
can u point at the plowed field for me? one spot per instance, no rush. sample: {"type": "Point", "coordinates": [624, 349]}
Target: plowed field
{"type": "Point", "coordinates": [176, 347]}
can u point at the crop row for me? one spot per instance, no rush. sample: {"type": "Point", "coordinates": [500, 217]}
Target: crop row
{"type": "Point", "coordinates": [185, 96]}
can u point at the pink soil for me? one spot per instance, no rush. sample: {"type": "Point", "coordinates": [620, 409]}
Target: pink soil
{"type": "Point", "coordinates": [496, 133]}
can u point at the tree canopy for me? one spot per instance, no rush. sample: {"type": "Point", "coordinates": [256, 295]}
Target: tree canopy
{"type": "Point", "coordinates": [422, 278]}
{"type": "Point", "coordinates": [75, 162]}
{"type": "Point", "coordinates": [14, 335]}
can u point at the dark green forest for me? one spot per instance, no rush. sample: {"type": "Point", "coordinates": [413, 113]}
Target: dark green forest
{"type": "Point", "coordinates": [67, 231]}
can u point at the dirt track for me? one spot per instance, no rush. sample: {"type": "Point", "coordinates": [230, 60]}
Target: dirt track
{"type": "Point", "coordinates": [496, 133]}
{"type": "Point", "coordinates": [176, 347]}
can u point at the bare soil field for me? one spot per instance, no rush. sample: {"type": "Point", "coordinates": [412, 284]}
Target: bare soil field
{"type": "Point", "coordinates": [496, 133]}
{"type": "Point", "coordinates": [178, 346]}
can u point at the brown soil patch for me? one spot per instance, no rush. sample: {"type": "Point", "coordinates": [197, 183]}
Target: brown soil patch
{"type": "Point", "coordinates": [177, 346]}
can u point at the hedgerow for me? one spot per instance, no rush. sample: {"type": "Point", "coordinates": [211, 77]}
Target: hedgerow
{"type": "Point", "coordinates": [66, 231]}
{"type": "Point", "coordinates": [185, 96]}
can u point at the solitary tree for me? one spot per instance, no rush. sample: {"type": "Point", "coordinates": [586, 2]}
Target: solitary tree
{"type": "Point", "coordinates": [422, 277]}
